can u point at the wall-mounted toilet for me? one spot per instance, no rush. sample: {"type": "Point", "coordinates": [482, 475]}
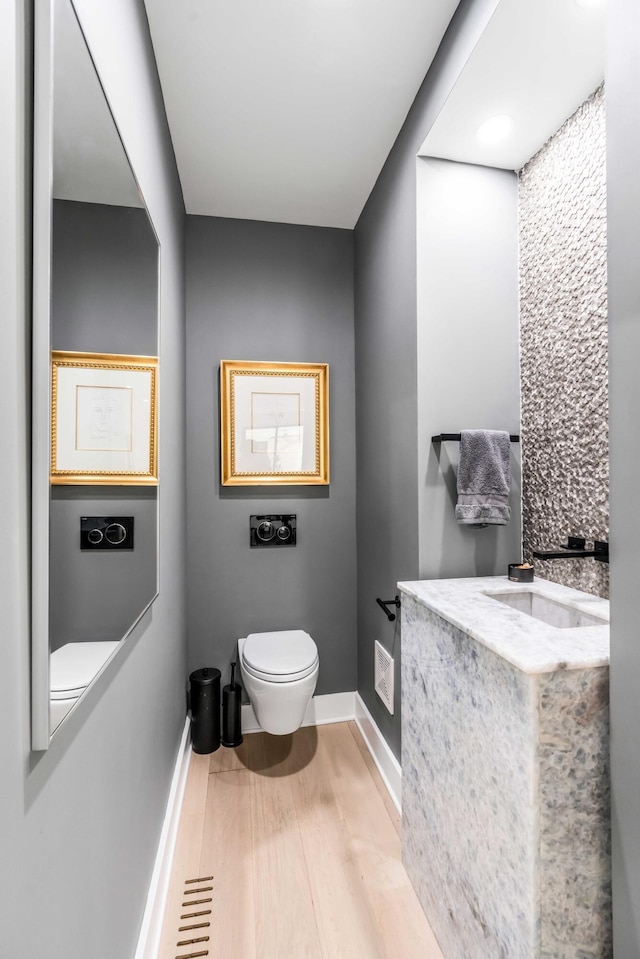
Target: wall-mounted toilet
{"type": "Point", "coordinates": [71, 668]}
{"type": "Point", "coordinates": [280, 671]}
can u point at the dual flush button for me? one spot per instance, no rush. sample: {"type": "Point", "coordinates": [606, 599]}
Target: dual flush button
{"type": "Point", "coordinates": [106, 532]}
{"type": "Point", "coordinates": [273, 530]}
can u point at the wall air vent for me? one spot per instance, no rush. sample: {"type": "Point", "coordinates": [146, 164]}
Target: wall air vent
{"type": "Point", "coordinates": [383, 675]}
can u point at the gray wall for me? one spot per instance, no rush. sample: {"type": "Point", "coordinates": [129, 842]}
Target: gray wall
{"type": "Point", "coordinates": [81, 822]}
{"type": "Point", "coordinates": [268, 291]}
{"type": "Point", "coordinates": [623, 209]}
{"type": "Point", "coordinates": [563, 318]}
{"type": "Point", "coordinates": [104, 273]}
{"type": "Point", "coordinates": [386, 365]}
{"type": "Point", "coordinates": [104, 299]}
{"type": "Point", "coordinates": [83, 584]}
{"type": "Point", "coordinates": [467, 354]}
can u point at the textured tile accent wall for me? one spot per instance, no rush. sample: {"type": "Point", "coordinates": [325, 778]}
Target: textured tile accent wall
{"type": "Point", "coordinates": [563, 316]}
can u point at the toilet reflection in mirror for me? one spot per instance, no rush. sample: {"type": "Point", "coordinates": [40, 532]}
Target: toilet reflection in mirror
{"type": "Point", "coordinates": [96, 263]}
{"type": "Point", "coordinates": [72, 668]}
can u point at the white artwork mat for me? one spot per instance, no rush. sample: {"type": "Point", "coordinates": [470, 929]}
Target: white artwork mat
{"type": "Point", "coordinates": [275, 424]}
{"type": "Point", "coordinates": [103, 420]}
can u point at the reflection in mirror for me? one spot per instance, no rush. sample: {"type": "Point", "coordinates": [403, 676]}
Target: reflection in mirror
{"type": "Point", "coordinates": [100, 271]}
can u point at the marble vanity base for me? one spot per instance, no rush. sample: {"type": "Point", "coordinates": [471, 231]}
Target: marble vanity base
{"type": "Point", "coordinates": [505, 802]}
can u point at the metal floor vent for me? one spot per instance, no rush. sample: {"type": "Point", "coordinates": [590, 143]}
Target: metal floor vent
{"type": "Point", "coordinates": [195, 929]}
{"type": "Point", "coordinates": [383, 676]}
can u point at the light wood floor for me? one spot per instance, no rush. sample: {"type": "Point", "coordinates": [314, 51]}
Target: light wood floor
{"type": "Point", "coordinates": [296, 848]}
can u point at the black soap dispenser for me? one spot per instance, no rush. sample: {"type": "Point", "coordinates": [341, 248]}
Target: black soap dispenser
{"type": "Point", "coordinates": [231, 703]}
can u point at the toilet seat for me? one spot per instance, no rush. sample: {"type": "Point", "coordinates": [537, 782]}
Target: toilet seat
{"type": "Point", "coordinates": [280, 677]}
{"type": "Point", "coordinates": [280, 657]}
{"type": "Point", "coordinates": [74, 665]}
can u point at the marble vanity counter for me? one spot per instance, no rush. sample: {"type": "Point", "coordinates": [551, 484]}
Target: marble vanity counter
{"type": "Point", "coordinates": [527, 643]}
{"type": "Point", "coordinates": [505, 767]}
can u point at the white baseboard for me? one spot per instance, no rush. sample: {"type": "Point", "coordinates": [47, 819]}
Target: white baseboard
{"type": "Point", "coordinates": [331, 708]}
{"type": "Point", "coordinates": [388, 766]}
{"type": "Point", "coordinates": [149, 939]}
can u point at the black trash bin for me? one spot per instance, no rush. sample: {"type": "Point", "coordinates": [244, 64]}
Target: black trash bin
{"type": "Point", "coordinates": [204, 697]}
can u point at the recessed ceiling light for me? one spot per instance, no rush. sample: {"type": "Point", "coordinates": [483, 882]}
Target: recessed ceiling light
{"type": "Point", "coordinates": [495, 129]}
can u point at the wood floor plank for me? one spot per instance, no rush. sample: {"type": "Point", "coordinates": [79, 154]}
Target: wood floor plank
{"type": "Point", "coordinates": [224, 759]}
{"type": "Point", "coordinates": [304, 851]}
{"type": "Point", "coordinates": [227, 851]}
{"type": "Point", "coordinates": [278, 756]}
{"type": "Point", "coordinates": [359, 800]}
{"type": "Point", "coordinates": [195, 790]}
{"type": "Point", "coordinates": [186, 860]}
{"type": "Point", "coordinates": [306, 766]}
{"type": "Point", "coordinates": [347, 926]}
{"type": "Point", "coordinates": [389, 804]}
{"type": "Point", "coordinates": [375, 848]}
{"type": "Point", "coordinates": [344, 919]}
{"type": "Point", "coordinates": [285, 921]}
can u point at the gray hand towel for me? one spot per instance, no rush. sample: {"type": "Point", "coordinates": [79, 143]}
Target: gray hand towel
{"type": "Point", "coordinates": [484, 478]}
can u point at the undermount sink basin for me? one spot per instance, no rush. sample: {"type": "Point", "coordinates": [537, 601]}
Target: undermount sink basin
{"type": "Point", "coordinates": [548, 611]}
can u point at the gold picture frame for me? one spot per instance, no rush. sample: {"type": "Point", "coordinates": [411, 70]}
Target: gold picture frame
{"type": "Point", "coordinates": [103, 419]}
{"type": "Point", "coordinates": [274, 423]}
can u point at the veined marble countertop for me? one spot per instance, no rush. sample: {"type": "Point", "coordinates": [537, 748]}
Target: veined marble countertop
{"type": "Point", "coordinates": [527, 643]}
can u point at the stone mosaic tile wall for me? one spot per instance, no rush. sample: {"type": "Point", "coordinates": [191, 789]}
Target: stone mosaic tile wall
{"type": "Point", "coordinates": [563, 317]}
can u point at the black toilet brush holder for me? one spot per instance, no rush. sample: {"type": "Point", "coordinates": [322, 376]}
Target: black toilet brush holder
{"type": "Point", "coordinates": [231, 712]}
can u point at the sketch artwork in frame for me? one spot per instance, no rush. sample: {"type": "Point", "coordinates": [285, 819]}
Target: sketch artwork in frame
{"type": "Point", "coordinates": [103, 419]}
{"type": "Point", "coordinates": [274, 423]}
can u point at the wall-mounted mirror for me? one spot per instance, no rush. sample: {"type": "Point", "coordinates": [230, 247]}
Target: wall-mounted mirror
{"type": "Point", "coordinates": [96, 263]}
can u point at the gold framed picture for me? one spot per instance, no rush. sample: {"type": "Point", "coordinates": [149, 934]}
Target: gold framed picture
{"type": "Point", "coordinates": [103, 419]}
{"type": "Point", "coordinates": [274, 423]}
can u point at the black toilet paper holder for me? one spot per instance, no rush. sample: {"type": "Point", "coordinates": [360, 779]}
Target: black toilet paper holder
{"type": "Point", "coordinates": [383, 603]}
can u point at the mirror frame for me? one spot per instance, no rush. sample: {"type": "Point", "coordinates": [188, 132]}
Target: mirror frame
{"type": "Point", "coordinates": [41, 368]}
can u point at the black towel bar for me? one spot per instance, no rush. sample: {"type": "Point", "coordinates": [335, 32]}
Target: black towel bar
{"type": "Point", "coordinates": [455, 437]}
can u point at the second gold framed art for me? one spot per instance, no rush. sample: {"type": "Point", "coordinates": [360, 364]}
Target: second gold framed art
{"type": "Point", "coordinates": [274, 423]}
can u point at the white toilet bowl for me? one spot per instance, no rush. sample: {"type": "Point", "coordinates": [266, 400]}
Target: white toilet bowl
{"type": "Point", "coordinates": [72, 667]}
{"type": "Point", "coordinates": [279, 671]}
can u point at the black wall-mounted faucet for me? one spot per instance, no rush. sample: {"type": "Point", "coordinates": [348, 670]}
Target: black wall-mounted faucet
{"type": "Point", "coordinates": [576, 549]}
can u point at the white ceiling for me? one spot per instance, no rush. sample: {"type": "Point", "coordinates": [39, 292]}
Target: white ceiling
{"type": "Point", "coordinates": [285, 110]}
{"type": "Point", "coordinates": [536, 61]}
